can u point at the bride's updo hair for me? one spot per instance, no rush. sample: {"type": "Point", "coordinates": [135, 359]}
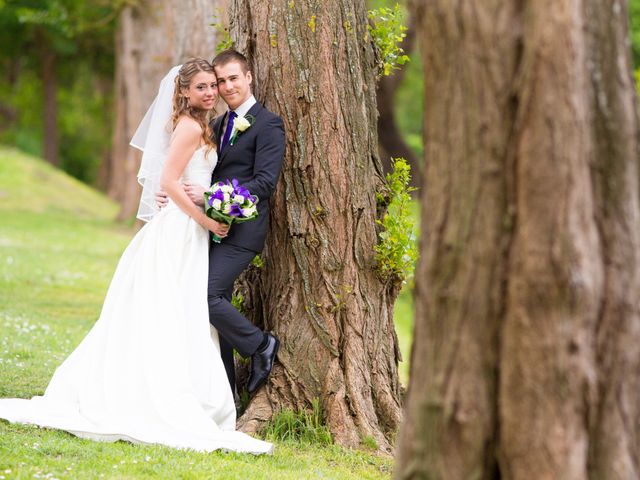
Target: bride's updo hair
{"type": "Point", "coordinates": [181, 104]}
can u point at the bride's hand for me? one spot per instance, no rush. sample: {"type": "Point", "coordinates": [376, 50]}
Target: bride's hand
{"type": "Point", "coordinates": [220, 229]}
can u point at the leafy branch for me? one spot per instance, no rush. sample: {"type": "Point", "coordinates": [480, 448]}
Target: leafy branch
{"type": "Point", "coordinates": [387, 31]}
{"type": "Point", "coordinates": [397, 252]}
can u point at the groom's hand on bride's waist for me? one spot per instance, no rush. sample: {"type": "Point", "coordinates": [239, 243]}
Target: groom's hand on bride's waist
{"type": "Point", "coordinates": [194, 192]}
{"type": "Point", "coordinates": [161, 199]}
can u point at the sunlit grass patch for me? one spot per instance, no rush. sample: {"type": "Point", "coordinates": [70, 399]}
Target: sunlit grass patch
{"type": "Point", "coordinates": [305, 426]}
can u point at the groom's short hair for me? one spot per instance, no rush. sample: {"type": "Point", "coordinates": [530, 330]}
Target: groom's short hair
{"type": "Point", "coordinates": [228, 56]}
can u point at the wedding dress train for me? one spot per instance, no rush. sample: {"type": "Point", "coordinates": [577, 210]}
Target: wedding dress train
{"type": "Point", "coordinates": [149, 370]}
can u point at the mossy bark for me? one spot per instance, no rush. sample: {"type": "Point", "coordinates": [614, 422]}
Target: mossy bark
{"type": "Point", "coordinates": [526, 361]}
{"type": "Point", "coordinates": [313, 64]}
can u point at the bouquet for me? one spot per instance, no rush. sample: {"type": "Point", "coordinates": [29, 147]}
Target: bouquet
{"type": "Point", "coordinates": [229, 202]}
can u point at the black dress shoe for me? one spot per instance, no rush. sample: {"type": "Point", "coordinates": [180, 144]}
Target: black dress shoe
{"type": "Point", "coordinates": [262, 363]}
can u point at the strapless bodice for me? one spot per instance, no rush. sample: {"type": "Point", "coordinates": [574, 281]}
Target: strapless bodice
{"type": "Point", "coordinates": [200, 167]}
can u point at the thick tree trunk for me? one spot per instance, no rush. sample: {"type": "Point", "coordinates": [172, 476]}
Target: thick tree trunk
{"type": "Point", "coordinates": [318, 290]}
{"type": "Point", "coordinates": [50, 101]}
{"type": "Point", "coordinates": [151, 38]}
{"type": "Point", "coordinates": [526, 361]}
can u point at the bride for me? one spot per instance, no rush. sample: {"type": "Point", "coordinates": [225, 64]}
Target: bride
{"type": "Point", "coordinates": [150, 370]}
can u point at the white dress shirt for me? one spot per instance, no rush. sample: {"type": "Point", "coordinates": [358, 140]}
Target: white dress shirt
{"type": "Point", "coordinates": [242, 110]}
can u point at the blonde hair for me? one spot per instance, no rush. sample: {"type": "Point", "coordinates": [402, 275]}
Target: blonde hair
{"type": "Point", "coordinates": [181, 104]}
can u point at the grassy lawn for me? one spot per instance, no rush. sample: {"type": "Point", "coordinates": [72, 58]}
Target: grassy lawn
{"type": "Point", "coordinates": [403, 317]}
{"type": "Point", "coordinates": [58, 249]}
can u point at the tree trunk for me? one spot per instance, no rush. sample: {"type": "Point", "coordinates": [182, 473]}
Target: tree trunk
{"type": "Point", "coordinates": [8, 113]}
{"type": "Point", "coordinates": [392, 143]}
{"type": "Point", "coordinates": [526, 356]}
{"type": "Point", "coordinates": [318, 290]}
{"type": "Point", "coordinates": [106, 87]}
{"type": "Point", "coordinates": [50, 101]}
{"type": "Point", "coordinates": [150, 39]}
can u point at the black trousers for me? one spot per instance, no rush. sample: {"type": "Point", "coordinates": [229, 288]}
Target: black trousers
{"type": "Point", "coordinates": [226, 263]}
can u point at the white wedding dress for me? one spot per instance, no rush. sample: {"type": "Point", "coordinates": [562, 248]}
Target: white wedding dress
{"type": "Point", "coordinates": [149, 371]}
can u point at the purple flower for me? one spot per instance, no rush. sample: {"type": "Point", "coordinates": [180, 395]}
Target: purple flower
{"type": "Point", "coordinates": [236, 211]}
{"type": "Point", "coordinates": [239, 189]}
{"type": "Point", "coordinates": [215, 195]}
{"type": "Point", "coordinates": [218, 195]}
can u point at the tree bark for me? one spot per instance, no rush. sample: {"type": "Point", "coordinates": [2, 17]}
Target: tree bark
{"type": "Point", "coordinates": [318, 290]}
{"type": "Point", "coordinates": [151, 37]}
{"type": "Point", "coordinates": [526, 356]}
{"type": "Point", "coordinates": [50, 101]}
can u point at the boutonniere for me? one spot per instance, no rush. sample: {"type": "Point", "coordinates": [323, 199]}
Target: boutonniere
{"type": "Point", "coordinates": [240, 124]}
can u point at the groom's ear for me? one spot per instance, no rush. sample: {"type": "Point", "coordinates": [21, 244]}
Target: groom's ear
{"type": "Point", "coordinates": [249, 76]}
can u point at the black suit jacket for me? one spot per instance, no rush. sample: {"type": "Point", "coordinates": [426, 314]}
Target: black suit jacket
{"type": "Point", "coordinates": [255, 159]}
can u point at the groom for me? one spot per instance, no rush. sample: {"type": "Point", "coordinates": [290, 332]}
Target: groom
{"type": "Point", "coordinates": [253, 155]}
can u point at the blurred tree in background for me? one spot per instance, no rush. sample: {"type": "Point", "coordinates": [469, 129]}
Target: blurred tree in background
{"type": "Point", "coordinates": [151, 37]}
{"type": "Point", "coordinates": [526, 358]}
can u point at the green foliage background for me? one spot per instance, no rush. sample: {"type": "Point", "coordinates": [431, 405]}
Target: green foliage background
{"type": "Point", "coordinates": [81, 36]}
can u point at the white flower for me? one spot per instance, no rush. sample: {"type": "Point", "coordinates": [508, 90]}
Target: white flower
{"type": "Point", "coordinates": [239, 199]}
{"type": "Point", "coordinates": [226, 197]}
{"type": "Point", "coordinates": [241, 124]}
{"type": "Point", "coordinates": [216, 204]}
{"type": "Point", "coordinates": [227, 208]}
{"type": "Point", "coordinates": [227, 188]}
{"type": "Point", "coordinates": [247, 212]}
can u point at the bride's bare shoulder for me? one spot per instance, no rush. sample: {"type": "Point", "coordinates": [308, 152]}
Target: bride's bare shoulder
{"type": "Point", "coordinates": [187, 128]}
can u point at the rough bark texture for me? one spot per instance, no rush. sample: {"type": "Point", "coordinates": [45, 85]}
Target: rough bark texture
{"type": "Point", "coordinates": [526, 361]}
{"type": "Point", "coordinates": [318, 290]}
{"type": "Point", "coordinates": [150, 39]}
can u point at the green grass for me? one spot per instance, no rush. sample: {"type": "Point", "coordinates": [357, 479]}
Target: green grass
{"type": "Point", "coordinates": [403, 318]}
{"type": "Point", "coordinates": [305, 427]}
{"type": "Point", "coordinates": [28, 451]}
{"type": "Point", "coordinates": [59, 247]}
